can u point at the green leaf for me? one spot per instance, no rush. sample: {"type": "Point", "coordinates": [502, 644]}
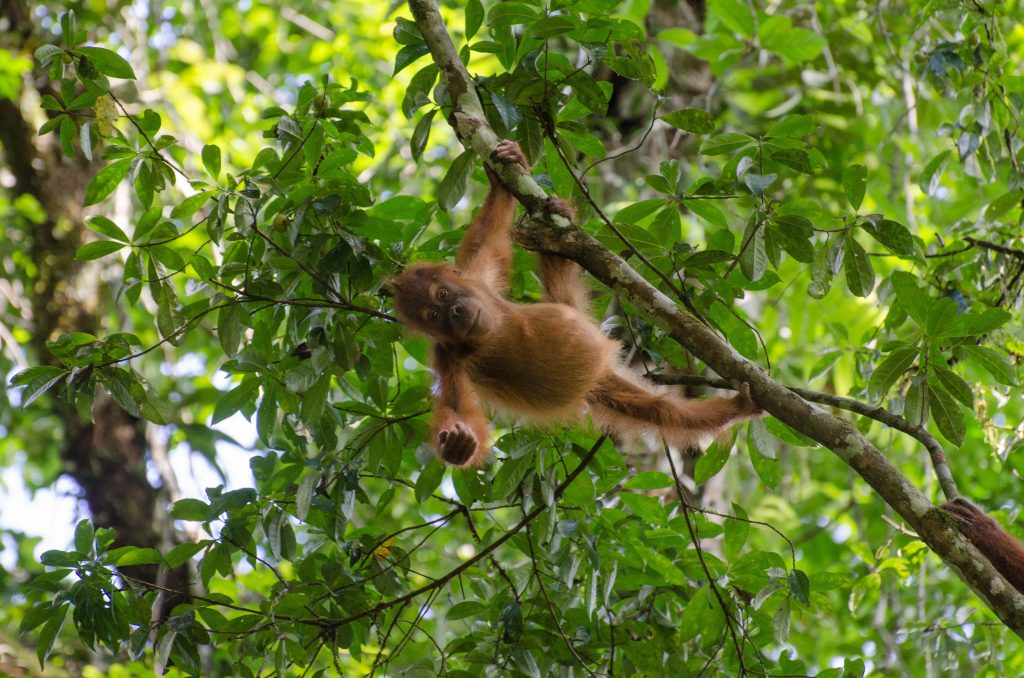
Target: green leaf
{"type": "Point", "coordinates": [37, 381]}
{"type": "Point", "coordinates": [953, 383]}
{"type": "Point", "coordinates": [759, 183]}
{"type": "Point", "coordinates": [106, 180]}
{"type": "Point", "coordinates": [695, 120]}
{"type": "Point", "coordinates": [711, 462]}
{"type": "Point", "coordinates": [49, 633]}
{"type": "Point", "coordinates": [68, 132]}
{"type": "Point", "coordinates": [83, 536]}
{"type": "Point", "coordinates": [855, 183]}
{"type": "Point", "coordinates": [649, 509]}
{"type": "Point", "coordinates": [853, 667]}
{"type": "Point", "coordinates": [304, 494]}
{"type": "Point", "coordinates": [795, 45]}
{"type": "Point", "coordinates": [736, 531]}
{"type": "Point", "coordinates": [680, 37]}
{"type": "Point", "coordinates": [796, 158]}
{"type": "Point", "coordinates": [35, 616]}
{"type": "Point", "coordinates": [786, 434]}
{"type": "Point", "coordinates": [913, 300]}
{"type": "Point", "coordinates": [781, 622]}
{"type": "Point", "coordinates": [1003, 204]}
{"type": "Point", "coordinates": [511, 473]}
{"type": "Point", "coordinates": [662, 565]}
{"type": "Point", "coordinates": [582, 141]}
{"type": "Point", "coordinates": [507, 111]}
{"type": "Point", "coordinates": [106, 227]}
{"type": "Point", "coordinates": [793, 126]}
{"type": "Point", "coordinates": [134, 555]}
{"type": "Point", "coordinates": [55, 558]}
{"type": "Point", "coordinates": [429, 479]}
{"type": "Point", "coordinates": [793, 233]}
{"type": "Point", "coordinates": [417, 94]}
{"type": "Point", "coordinates": [589, 92]}
{"type": "Point", "coordinates": [913, 403]}
{"type": "Point", "coordinates": [734, 14]}
{"type": "Point", "coordinates": [169, 318]}
{"type": "Point", "coordinates": [760, 440]}
{"type": "Point", "coordinates": [453, 186]}
{"type": "Point", "coordinates": [124, 388]}
{"type": "Point", "coordinates": [45, 54]}
{"type": "Point", "coordinates": [183, 553]}
{"type": "Point", "coordinates": [894, 236]}
{"type": "Point", "coordinates": [993, 362]}
{"type": "Point", "coordinates": [860, 276]}
{"type": "Point", "coordinates": [422, 132]}
{"type": "Point", "coordinates": [753, 256]}
{"type": "Point", "coordinates": [97, 249]}
{"type": "Point", "coordinates": [108, 63]}
{"type": "Point", "coordinates": [638, 211]}
{"type": "Point", "coordinates": [931, 176]}
{"type": "Point", "coordinates": [511, 13]}
{"type": "Point", "coordinates": [466, 609]}
{"type": "Point", "coordinates": [725, 143]}
{"type": "Point", "coordinates": [738, 333]}
{"type": "Point", "coordinates": [945, 413]}
{"type": "Point", "coordinates": [49, 102]}
{"type": "Point", "coordinates": [211, 160]}
{"type": "Point", "coordinates": [314, 400]}
{"type": "Point", "coordinates": [474, 17]}
{"type": "Point", "coordinates": [889, 370]}
{"type": "Point", "coordinates": [51, 124]}
{"type": "Point", "coordinates": [190, 205]}
{"type": "Point", "coordinates": [634, 63]}
{"type": "Point", "coordinates": [706, 210]}
{"type": "Point", "coordinates": [762, 453]}
{"type": "Point", "coordinates": [406, 32]}
{"type": "Point", "coordinates": [229, 328]}
{"type": "Point", "coordinates": [797, 226]}
{"type": "Point", "coordinates": [942, 313]}
{"type": "Point", "coordinates": [800, 586]}
{"type": "Point", "coordinates": [408, 55]}
{"type": "Point", "coordinates": [649, 480]}
{"type": "Point", "coordinates": [554, 25]}
{"type": "Point", "coordinates": [190, 509]}
{"type": "Point", "coordinates": [234, 400]}
{"type": "Point", "coordinates": [162, 649]}
{"type": "Point", "coordinates": [769, 470]}
{"type": "Point", "coordinates": [973, 324]}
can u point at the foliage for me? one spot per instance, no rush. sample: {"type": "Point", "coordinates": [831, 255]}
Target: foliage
{"type": "Point", "coordinates": [845, 208]}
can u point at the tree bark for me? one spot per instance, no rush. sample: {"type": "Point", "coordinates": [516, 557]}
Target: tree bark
{"type": "Point", "coordinates": [107, 456]}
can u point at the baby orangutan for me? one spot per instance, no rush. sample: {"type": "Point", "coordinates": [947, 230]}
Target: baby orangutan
{"type": "Point", "coordinates": [546, 362]}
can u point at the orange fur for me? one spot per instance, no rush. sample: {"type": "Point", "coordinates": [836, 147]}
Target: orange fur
{"type": "Point", "coordinates": [547, 362]}
{"type": "Point", "coordinates": [1004, 552]}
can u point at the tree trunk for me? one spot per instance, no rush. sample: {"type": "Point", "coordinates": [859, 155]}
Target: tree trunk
{"type": "Point", "coordinates": [107, 456]}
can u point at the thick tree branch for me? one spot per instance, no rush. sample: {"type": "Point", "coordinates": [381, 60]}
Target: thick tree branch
{"type": "Point", "coordinates": [550, 233]}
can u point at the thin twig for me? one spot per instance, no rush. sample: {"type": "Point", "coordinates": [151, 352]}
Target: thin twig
{"type": "Point", "coordinates": [551, 608]}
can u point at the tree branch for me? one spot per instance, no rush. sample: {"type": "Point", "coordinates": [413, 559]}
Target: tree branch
{"type": "Point", "coordinates": [879, 414]}
{"type": "Point", "coordinates": [548, 232]}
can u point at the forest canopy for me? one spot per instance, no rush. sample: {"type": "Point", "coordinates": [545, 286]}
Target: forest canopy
{"type": "Point", "coordinates": [204, 202]}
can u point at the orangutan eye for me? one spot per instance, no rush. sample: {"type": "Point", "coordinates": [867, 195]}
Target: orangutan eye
{"type": "Point", "coordinates": [434, 315]}
{"type": "Point", "coordinates": [442, 294]}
